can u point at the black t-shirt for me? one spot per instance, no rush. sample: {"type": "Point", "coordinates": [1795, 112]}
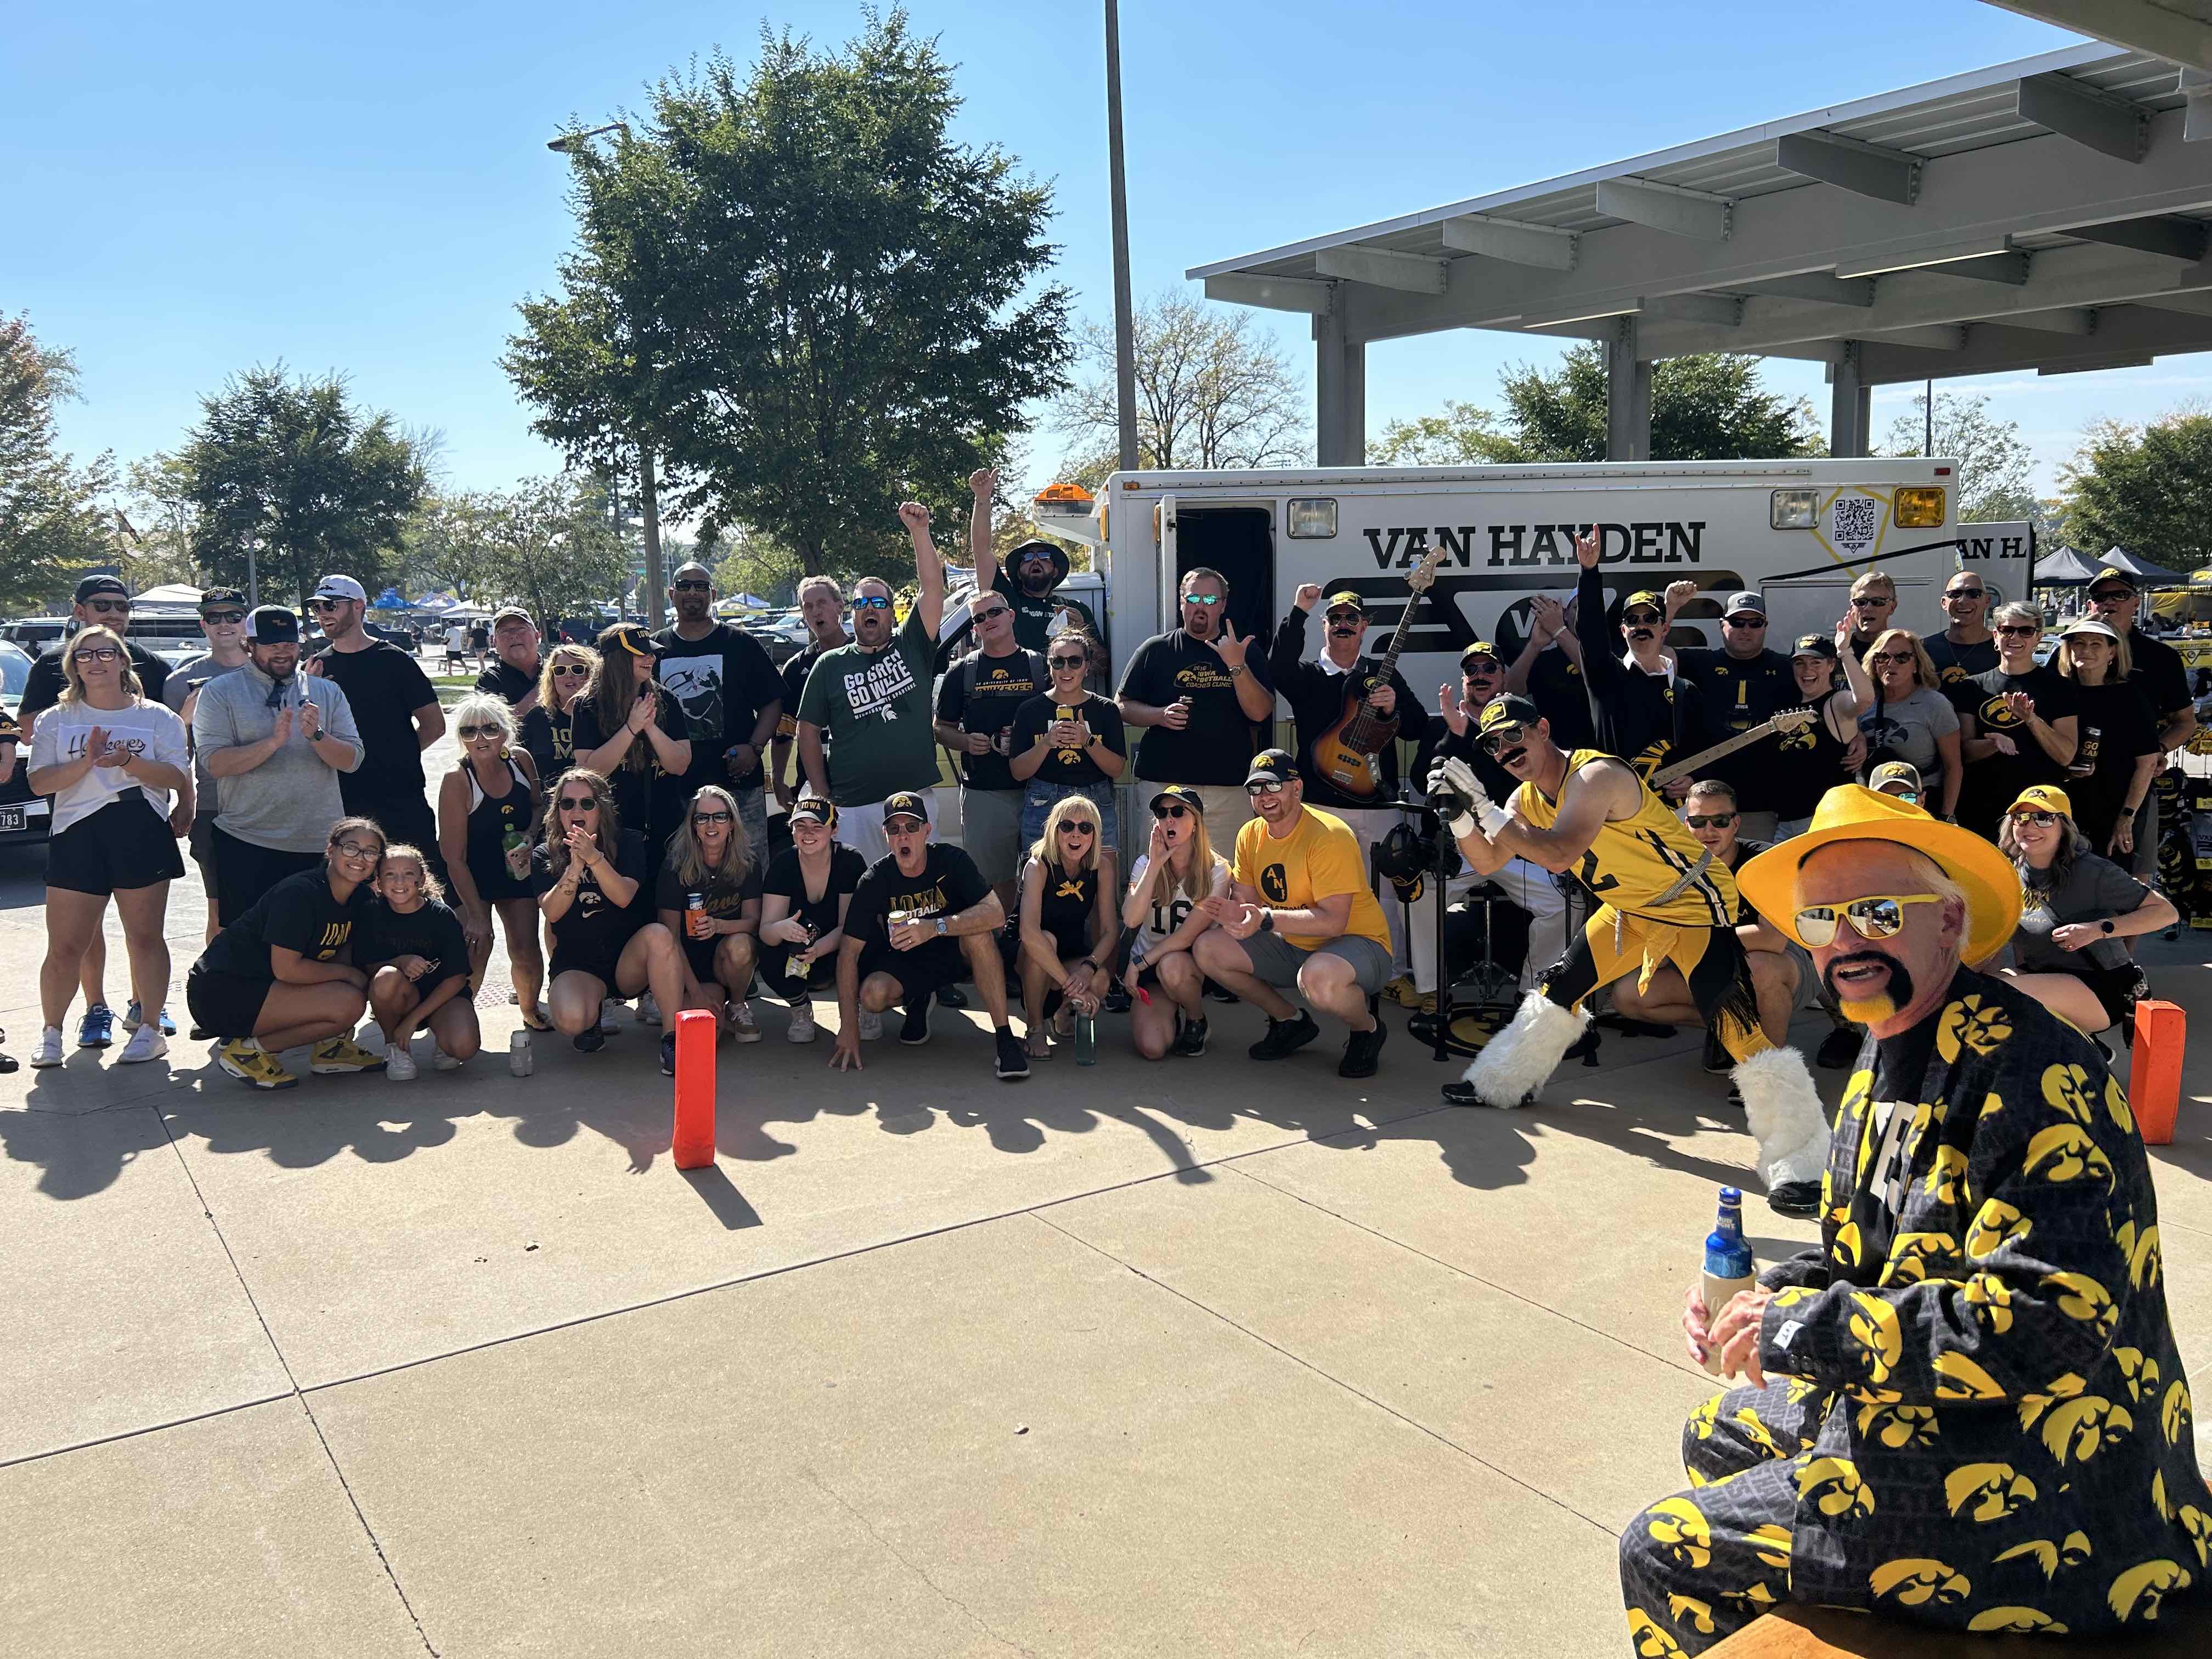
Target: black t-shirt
{"type": "Point", "coordinates": [1033, 616]}
{"type": "Point", "coordinates": [1993, 784]}
{"type": "Point", "coordinates": [594, 925]}
{"type": "Point", "coordinates": [723, 680]}
{"type": "Point", "coordinates": [1497, 782]}
{"type": "Point", "coordinates": [2158, 669]}
{"type": "Point", "coordinates": [982, 693]}
{"type": "Point", "coordinates": [298, 913]}
{"type": "Point", "coordinates": [506, 682]}
{"type": "Point", "coordinates": [1216, 746]}
{"type": "Point", "coordinates": [2116, 728]}
{"type": "Point", "coordinates": [1556, 686]}
{"type": "Point", "coordinates": [431, 932]}
{"type": "Point", "coordinates": [786, 877]}
{"type": "Point", "coordinates": [1075, 766]}
{"type": "Point", "coordinates": [645, 799]}
{"type": "Point", "coordinates": [549, 739]}
{"type": "Point", "coordinates": [723, 900]}
{"type": "Point", "coordinates": [42, 686]}
{"type": "Point", "coordinates": [1745, 849]}
{"type": "Point", "coordinates": [948, 882]}
{"type": "Point", "coordinates": [386, 686]}
{"type": "Point", "coordinates": [1740, 693]}
{"type": "Point", "coordinates": [1956, 665]}
{"type": "Point", "coordinates": [793, 677]}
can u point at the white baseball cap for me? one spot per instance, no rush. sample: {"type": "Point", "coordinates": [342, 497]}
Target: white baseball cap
{"type": "Point", "coordinates": [341, 587]}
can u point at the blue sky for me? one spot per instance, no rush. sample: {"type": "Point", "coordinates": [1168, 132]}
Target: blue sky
{"type": "Point", "coordinates": [196, 189]}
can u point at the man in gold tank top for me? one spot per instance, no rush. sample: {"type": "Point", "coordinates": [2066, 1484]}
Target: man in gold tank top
{"type": "Point", "coordinates": [1662, 899]}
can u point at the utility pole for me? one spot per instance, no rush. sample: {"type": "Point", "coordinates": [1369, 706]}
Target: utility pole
{"type": "Point", "coordinates": [1125, 344]}
{"type": "Point", "coordinates": [656, 595]}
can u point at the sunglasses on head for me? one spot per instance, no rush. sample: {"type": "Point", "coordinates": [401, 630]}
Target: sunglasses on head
{"type": "Point", "coordinates": [1710, 820]}
{"type": "Point", "coordinates": [2040, 820]}
{"type": "Point", "coordinates": [1202, 599]}
{"type": "Point", "coordinates": [713, 817]}
{"type": "Point", "coordinates": [1641, 618]}
{"type": "Point", "coordinates": [95, 653]}
{"type": "Point", "coordinates": [693, 585]}
{"type": "Point", "coordinates": [2018, 628]}
{"type": "Point", "coordinates": [872, 602]}
{"type": "Point", "coordinates": [1065, 662]}
{"type": "Point", "coordinates": [469, 732]}
{"type": "Point", "coordinates": [1504, 737]}
{"type": "Point", "coordinates": [1170, 810]}
{"type": "Point", "coordinates": [1880, 916]}
{"type": "Point", "coordinates": [1872, 601]}
{"type": "Point", "coordinates": [217, 618]}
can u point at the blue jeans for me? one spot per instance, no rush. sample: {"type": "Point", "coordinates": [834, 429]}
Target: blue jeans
{"type": "Point", "coordinates": [1039, 798]}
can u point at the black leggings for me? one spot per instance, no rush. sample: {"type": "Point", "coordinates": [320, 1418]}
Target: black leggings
{"type": "Point", "coordinates": [794, 989]}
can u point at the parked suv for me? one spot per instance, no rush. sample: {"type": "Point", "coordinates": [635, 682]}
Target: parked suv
{"type": "Point", "coordinates": [24, 817]}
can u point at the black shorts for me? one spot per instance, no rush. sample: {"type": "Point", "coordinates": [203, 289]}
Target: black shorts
{"type": "Point", "coordinates": [494, 884]}
{"type": "Point", "coordinates": [925, 969]}
{"type": "Point", "coordinates": [124, 846]}
{"type": "Point", "coordinates": [201, 845]}
{"type": "Point", "coordinates": [699, 953]}
{"type": "Point", "coordinates": [2115, 988]}
{"type": "Point", "coordinates": [244, 872]}
{"type": "Point", "coordinates": [821, 975]}
{"type": "Point", "coordinates": [228, 1004]}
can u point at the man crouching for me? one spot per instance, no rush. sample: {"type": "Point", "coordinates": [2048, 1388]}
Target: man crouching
{"type": "Point", "coordinates": [1663, 898]}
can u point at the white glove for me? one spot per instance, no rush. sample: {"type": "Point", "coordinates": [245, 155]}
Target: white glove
{"type": "Point", "coordinates": [1455, 777]}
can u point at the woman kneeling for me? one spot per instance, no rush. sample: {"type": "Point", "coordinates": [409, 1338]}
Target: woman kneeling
{"type": "Point", "coordinates": [1066, 928]}
{"type": "Point", "coordinates": [417, 958]}
{"type": "Point", "coordinates": [709, 897]}
{"type": "Point", "coordinates": [1177, 870]}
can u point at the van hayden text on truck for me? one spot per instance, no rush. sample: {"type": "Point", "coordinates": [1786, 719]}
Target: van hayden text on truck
{"type": "Point", "coordinates": [1502, 545]}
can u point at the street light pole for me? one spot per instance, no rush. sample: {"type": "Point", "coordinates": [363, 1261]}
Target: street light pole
{"type": "Point", "coordinates": [1125, 345]}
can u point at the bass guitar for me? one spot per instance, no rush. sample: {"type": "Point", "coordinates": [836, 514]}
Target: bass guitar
{"type": "Point", "coordinates": [1345, 753]}
{"type": "Point", "coordinates": [1790, 720]}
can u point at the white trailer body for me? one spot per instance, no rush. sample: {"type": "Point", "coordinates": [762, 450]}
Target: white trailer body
{"type": "Point", "coordinates": [1796, 532]}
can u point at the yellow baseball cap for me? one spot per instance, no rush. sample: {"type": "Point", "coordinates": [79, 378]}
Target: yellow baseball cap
{"type": "Point", "coordinates": [2042, 798]}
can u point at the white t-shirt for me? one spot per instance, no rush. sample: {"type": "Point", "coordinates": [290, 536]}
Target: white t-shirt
{"type": "Point", "coordinates": [1169, 914]}
{"type": "Point", "coordinates": [150, 730]}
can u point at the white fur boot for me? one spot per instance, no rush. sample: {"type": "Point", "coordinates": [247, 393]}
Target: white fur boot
{"type": "Point", "coordinates": [1785, 1116]}
{"type": "Point", "coordinates": [1515, 1064]}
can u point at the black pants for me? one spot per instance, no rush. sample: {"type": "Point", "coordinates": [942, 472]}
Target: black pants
{"type": "Point", "coordinates": [244, 872]}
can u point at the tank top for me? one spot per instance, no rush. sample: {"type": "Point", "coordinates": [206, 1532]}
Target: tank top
{"type": "Point", "coordinates": [1803, 765]}
{"type": "Point", "coordinates": [1633, 862]}
{"type": "Point", "coordinates": [1068, 905]}
{"type": "Point", "coordinates": [491, 821]}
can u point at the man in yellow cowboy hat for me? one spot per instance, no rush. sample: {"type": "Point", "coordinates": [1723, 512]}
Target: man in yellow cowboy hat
{"type": "Point", "coordinates": [1663, 898]}
{"type": "Point", "coordinates": [1966, 1407]}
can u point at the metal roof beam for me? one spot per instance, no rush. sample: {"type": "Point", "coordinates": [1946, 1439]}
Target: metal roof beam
{"type": "Point", "coordinates": [2124, 333]}
{"type": "Point", "coordinates": [2195, 85]}
{"type": "Point", "coordinates": [1556, 316]}
{"type": "Point", "coordinates": [2130, 360]}
{"type": "Point", "coordinates": [2008, 268]}
{"type": "Point", "coordinates": [1509, 240]}
{"type": "Point", "coordinates": [1875, 170]}
{"type": "Point", "coordinates": [1923, 254]}
{"type": "Point", "coordinates": [2144, 25]}
{"type": "Point", "coordinates": [1272, 293]}
{"type": "Point", "coordinates": [2074, 109]}
{"type": "Point", "coordinates": [1408, 272]}
{"type": "Point", "coordinates": [1939, 338]}
{"type": "Point", "coordinates": [1829, 291]}
{"type": "Point", "coordinates": [1720, 310]}
{"type": "Point", "coordinates": [2064, 320]}
{"type": "Point", "coordinates": [1692, 213]}
{"type": "Point", "coordinates": [2175, 238]}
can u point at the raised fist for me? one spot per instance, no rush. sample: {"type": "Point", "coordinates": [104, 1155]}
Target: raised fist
{"type": "Point", "coordinates": [915, 517]}
{"type": "Point", "coordinates": [1307, 597]}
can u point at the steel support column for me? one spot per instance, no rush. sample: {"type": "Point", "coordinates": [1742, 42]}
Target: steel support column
{"type": "Point", "coordinates": [1628, 397]}
{"type": "Point", "coordinates": [1339, 392]}
{"type": "Point", "coordinates": [1848, 404]}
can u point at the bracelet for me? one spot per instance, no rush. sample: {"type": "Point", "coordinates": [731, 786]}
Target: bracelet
{"type": "Point", "coordinates": [1237, 668]}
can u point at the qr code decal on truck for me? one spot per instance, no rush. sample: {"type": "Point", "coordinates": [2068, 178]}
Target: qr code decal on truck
{"type": "Point", "coordinates": [1853, 522]}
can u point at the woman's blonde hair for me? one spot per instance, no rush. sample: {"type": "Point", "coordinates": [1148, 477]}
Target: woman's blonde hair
{"type": "Point", "coordinates": [567, 652]}
{"type": "Point", "coordinates": [1923, 665]}
{"type": "Point", "coordinates": [556, 846]}
{"type": "Point", "coordinates": [432, 887]}
{"type": "Point", "coordinates": [2072, 844]}
{"type": "Point", "coordinates": [689, 862]}
{"type": "Point", "coordinates": [2123, 660]}
{"type": "Point", "coordinates": [480, 709]}
{"type": "Point", "coordinates": [94, 633]}
{"type": "Point", "coordinates": [1197, 882]}
{"type": "Point", "coordinates": [1066, 807]}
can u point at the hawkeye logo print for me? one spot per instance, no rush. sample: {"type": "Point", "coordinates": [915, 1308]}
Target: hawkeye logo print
{"type": "Point", "coordinates": [1273, 883]}
{"type": "Point", "coordinates": [1203, 677]}
{"type": "Point", "coordinates": [875, 691]}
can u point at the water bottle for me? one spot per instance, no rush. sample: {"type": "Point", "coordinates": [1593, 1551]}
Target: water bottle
{"type": "Point", "coordinates": [794, 966]}
{"type": "Point", "coordinates": [1729, 1265]}
{"type": "Point", "coordinates": [1087, 1040]}
{"type": "Point", "coordinates": [519, 1060]}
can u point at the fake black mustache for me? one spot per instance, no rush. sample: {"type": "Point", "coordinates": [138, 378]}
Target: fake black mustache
{"type": "Point", "coordinates": [1639, 632]}
{"type": "Point", "coordinates": [1899, 989]}
{"type": "Point", "coordinates": [1512, 756]}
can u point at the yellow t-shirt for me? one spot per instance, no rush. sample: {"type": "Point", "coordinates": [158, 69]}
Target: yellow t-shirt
{"type": "Point", "coordinates": [1318, 859]}
{"type": "Point", "coordinates": [1635, 860]}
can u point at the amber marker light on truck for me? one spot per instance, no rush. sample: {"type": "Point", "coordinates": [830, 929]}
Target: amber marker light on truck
{"type": "Point", "coordinates": [1794, 509]}
{"type": "Point", "coordinates": [1919, 507]}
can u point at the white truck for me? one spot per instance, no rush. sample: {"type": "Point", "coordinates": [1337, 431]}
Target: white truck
{"type": "Point", "coordinates": [1797, 531]}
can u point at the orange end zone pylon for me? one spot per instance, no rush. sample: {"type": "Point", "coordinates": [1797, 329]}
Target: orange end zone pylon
{"type": "Point", "coordinates": [2154, 1079]}
{"type": "Point", "coordinates": [693, 1143]}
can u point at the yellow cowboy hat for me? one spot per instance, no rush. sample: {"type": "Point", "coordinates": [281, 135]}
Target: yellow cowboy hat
{"type": "Point", "coordinates": [1848, 812]}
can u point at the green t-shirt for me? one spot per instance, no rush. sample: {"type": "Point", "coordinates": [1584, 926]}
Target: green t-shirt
{"type": "Point", "coordinates": [873, 707]}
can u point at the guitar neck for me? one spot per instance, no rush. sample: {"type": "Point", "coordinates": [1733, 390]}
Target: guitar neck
{"type": "Point", "coordinates": [1682, 768]}
{"type": "Point", "coordinates": [1389, 662]}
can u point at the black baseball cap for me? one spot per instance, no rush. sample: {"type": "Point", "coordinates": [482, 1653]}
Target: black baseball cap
{"type": "Point", "coordinates": [272, 624]}
{"type": "Point", "coordinates": [1511, 709]}
{"type": "Point", "coordinates": [632, 639]}
{"type": "Point", "coordinates": [1481, 648]}
{"type": "Point", "coordinates": [812, 809]}
{"type": "Point", "coordinates": [1180, 792]}
{"type": "Point", "coordinates": [907, 804]}
{"type": "Point", "coordinates": [1815, 645]}
{"type": "Point", "coordinates": [2104, 577]}
{"type": "Point", "coordinates": [1273, 765]}
{"type": "Point", "coordinates": [92, 585]}
{"type": "Point", "coordinates": [221, 596]}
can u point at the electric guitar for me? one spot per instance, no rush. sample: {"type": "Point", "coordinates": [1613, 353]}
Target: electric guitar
{"type": "Point", "coordinates": [1790, 720]}
{"type": "Point", "coordinates": [1346, 752]}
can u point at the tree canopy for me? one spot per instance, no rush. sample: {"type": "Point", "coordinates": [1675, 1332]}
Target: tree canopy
{"type": "Point", "coordinates": [803, 293]}
{"type": "Point", "coordinates": [1993, 459]}
{"type": "Point", "coordinates": [293, 467]}
{"type": "Point", "coordinates": [52, 523]}
{"type": "Point", "coordinates": [2143, 487]}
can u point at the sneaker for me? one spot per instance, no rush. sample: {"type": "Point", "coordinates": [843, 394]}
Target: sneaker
{"type": "Point", "coordinates": [1718, 1059]}
{"type": "Point", "coordinates": [146, 1043]}
{"type": "Point", "coordinates": [399, 1065]}
{"type": "Point", "coordinates": [371, 1037]}
{"type": "Point", "coordinates": [1218, 993]}
{"type": "Point", "coordinates": [1362, 1050]}
{"type": "Point", "coordinates": [1463, 1094]}
{"type": "Point", "coordinates": [1838, 1048]}
{"type": "Point", "coordinates": [200, 1033]}
{"type": "Point", "coordinates": [442, 1062]}
{"type": "Point", "coordinates": [49, 1050]}
{"type": "Point", "coordinates": [132, 1020]}
{"type": "Point", "coordinates": [916, 1031]}
{"type": "Point", "coordinates": [608, 1023]}
{"type": "Point", "coordinates": [97, 1029]}
{"type": "Point", "coordinates": [338, 1055]}
{"type": "Point", "coordinates": [648, 1010]}
{"type": "Point", "coordinates": [668, 1053]}
{"type": "Point", "coordinates": [1401, 991]}
{"type": "Point", "coordinates": [1285, 1037]}
{"type": "Point", "coordinates": [872, 1025]}
{"type": "Point", "coordinates": [1466, 1035]}
{"type": "Point", "coordinates": [743, 1026]}
{"type": "Point", "coordinates": [1117, 998]}
{"type": "Point", "coordinates": [802, 1023]}
{"type": "Point", "coordinates": [1190, 1041]}
{"type": "Point", "coordinates": [249, 1062]}
{"type": "Point", "coordinates": [1795, 1198]}
{"type": "Point", "coordinates": [952, 996]}
{"type": "Point", "coordinates": [590, 1042]}
{"type": "Point", "coordinates": [1012, 1065]}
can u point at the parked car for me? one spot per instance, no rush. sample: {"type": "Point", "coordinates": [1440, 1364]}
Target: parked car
{"type": "Point", "coordinates": [24, 817]}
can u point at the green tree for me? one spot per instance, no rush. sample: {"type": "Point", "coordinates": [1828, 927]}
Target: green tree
{"type": "Point", "coordinates": [749, 562]}
{"type": "Point", "coordinates": [1462, 435]}
{"type": "Point", "coordinates": [446, 543]}
{"type": "Point", "coordinates": [1993, 459]}
{"type": "Point", "coordinates": [1709, 407]}
{"type": "Point", "coordinates": [53, 524]}
{"type": "Point", "coordinates": [157, 522]}
{"type": "Point", "coordinates": [2143, 487]}
{"type": "Point", "coordinates": [549, 544]}
{"type": "Point", "coordinates": [1210, 393]}
{"type": "Point", "coordinates": [807, 296]}
{"type": "Point", "coordinates": [293, 468]}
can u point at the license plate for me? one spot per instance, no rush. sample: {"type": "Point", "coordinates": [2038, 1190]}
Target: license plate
{"type": "Point", "coordinates": [11, 818]}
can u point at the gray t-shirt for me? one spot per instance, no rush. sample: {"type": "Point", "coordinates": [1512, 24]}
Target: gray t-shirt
{"type": "Point", "coordinates": [1907, 730]}
{"type": "Point", "coordinates": [288, 802]}
{"type": "Point", "coordinates": [183, 679]}
{"type": "Point", "coordinates": [2095, 888]}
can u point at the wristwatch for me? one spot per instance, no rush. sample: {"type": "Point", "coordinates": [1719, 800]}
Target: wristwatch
{"type": "Point", "coordinates": [940, 927]}
{"type": "Point", "coordinates": [1266, 921]}
{"type": "Point", "coordinates": [1237, 668]}
{"type": "Point", "coordinates": [2107, 924]}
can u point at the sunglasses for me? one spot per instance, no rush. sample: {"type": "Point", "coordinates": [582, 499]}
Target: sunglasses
{"type": "Point", "coordinates": [1065, 662]}
{"type": "Point", "coordinates": [218, 618]}
{"type": "Point", "coordinates": [1202, 599]}
{"type": "Point", "coordinates": [1872, 601]}
{"type": "Point", "coordinates": [1504, 737]}
{"type": "Point", "coordinates": [986, 615]}
{"type": "Point", "coordinates": [580, 670]}
{"type": "Point", "coordinates": [1965, 592]}
{"type": "Point", "coordinates": [1892, 656]}
{"type": "Point", "coordinates": [95, 653]}
{"type": "Point", "coordinates": [2016, 630]}
{"type": "Point", "coordinates": [695, 586]}
{"type": "Point", "coordinates": [1910, 797]}
{"type": "Point", "coordinates": [2040, 820]}
{"type": "Point", "coordinates": [354, 849]}
{"type": "Point", "coordinates": [905, 826]}
{"type": "Point", "coordinates": [1170, 811]}
{"type": "Point", "coordinates": [1346, 618]}
{"type": "Point", "coordinates": [109, 607]}
{"type": "Point", "coordinates": [1074, 828]}
{"type": "Point", "coordinates": [468, 732]}
{"type": "Point", "coordinates": [1641, 618]}
{"type": "Point", "coordinates": [1264, 787]}
{"type": "Point", "coordinates": [872, 602]}
{"type": "Point", "coordinates": [710, 817]}
{"type": "Point", "coordinates": [1713, 820]}
{"type": "Point", "coordinates": [326, 605]}
{"type": "Point", "coordinates": [1878, 916]}
{"type": "Point", "coordinates": [1485, 667]}
{"type": "Point", "coordinates": [577, 803]}
{"type": "Point", "coordinates": [1743, 621]}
